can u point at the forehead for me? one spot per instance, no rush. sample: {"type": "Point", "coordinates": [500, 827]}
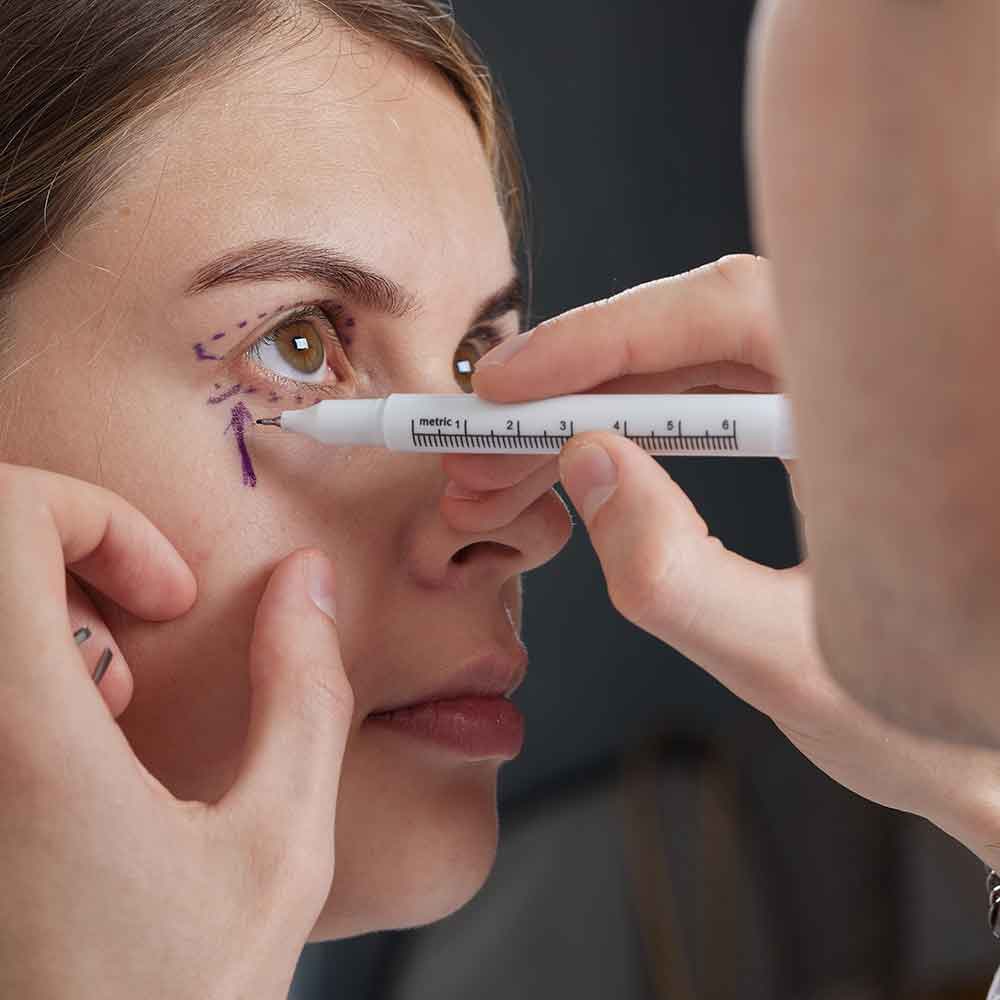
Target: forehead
{"type": "Point", "coordinates": [333, 140]}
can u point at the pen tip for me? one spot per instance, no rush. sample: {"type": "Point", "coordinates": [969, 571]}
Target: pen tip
{"type": "Point", "coordinates": [271, 422]}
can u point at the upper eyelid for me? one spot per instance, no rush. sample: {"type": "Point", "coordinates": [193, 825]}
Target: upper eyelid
{"type": "Point", "coordinates": [491, 327]}
{"type": "Point", "coordinates": [272, 323]}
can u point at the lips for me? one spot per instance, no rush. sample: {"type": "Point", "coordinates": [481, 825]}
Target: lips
{"type": "Point", "coordinates": [489, 675]}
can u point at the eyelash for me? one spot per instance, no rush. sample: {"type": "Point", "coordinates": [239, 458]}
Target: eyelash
{"type": "Point", "coordinates": [331, 312]}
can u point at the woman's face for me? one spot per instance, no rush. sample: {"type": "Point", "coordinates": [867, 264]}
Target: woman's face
{"type": "Point", "coordinates": [132, 367]}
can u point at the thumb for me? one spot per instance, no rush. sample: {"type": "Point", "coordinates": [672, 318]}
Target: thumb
{"type": "Point", "coordinates": [643, 528]}
{"type": "Point", "coordinates": [301, 707]}
{"type": "Point", "coordinates": [742, 622]}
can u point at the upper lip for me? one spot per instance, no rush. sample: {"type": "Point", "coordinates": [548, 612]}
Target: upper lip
{"type": "Point", "coordinates": [488, 675]}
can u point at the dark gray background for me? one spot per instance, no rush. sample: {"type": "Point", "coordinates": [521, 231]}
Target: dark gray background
{"type": "Point", "coordinates": [630, 119]}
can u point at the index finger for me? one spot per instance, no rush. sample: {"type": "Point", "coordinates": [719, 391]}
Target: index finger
{"type": "Point", "coordinates": [49, 522]}
{"type": "Point", "coordinates": [721, 312]}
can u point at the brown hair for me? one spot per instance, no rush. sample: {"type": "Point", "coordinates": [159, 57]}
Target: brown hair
{"type": "Point", "coordinates": [80, 78]}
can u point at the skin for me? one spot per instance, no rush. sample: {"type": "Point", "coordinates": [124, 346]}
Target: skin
{"type": "Point", "coordinates": [875, 189]}
{"type": "Point", "coordinates": [719, 326]}
{"type": "Point", "coordinates": [752, 627]}
{"type": "Point", "coordinates": [333, 141]}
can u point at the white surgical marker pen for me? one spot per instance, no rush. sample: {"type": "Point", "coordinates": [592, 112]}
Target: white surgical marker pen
{"type": "Point", "coordinates": [747, 425]}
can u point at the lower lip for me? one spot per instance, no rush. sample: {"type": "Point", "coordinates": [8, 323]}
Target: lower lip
{"type": "Point", "coordinates": [477, 728]}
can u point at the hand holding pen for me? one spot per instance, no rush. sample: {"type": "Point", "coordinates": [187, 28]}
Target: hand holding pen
{"type": "Point", "coordinates": [752, 627]}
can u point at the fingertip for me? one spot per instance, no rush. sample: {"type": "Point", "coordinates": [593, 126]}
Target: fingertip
{"type": "Point", "coordinates": [177, 590]}
{"type": "Point", "coordinates": [187, 588]}
{"type": "Point", "coordinates": [494, 385]}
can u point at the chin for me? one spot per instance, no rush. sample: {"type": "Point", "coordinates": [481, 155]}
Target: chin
{"type": "Point", "coordinates": [412, 858]}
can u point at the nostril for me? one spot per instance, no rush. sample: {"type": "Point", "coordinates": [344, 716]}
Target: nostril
{"type": "Point", "coordinates": [479, 549]}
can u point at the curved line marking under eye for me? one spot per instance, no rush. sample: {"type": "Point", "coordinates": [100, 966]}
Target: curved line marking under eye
{"type": "Point", "coordinates": [223, 396]}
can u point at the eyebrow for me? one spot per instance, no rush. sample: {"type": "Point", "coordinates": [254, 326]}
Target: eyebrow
{"type": "Point", "coordinates": [287, 260]}
{"type": "Point", "coordinates": [510, 298]}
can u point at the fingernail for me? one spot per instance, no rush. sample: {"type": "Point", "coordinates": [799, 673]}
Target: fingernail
{"type": "Point", "coordinates": [590, 477]}
{"type": "Point", "coordinates": [319, 575]}
{"type": "Point", "coordinates": [456, 491]}
{"type": "Point", "coordinates": [502, 353]}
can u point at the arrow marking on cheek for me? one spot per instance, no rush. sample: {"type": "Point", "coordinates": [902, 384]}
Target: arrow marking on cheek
{"type": "Point", "coordinates": [241, 417]}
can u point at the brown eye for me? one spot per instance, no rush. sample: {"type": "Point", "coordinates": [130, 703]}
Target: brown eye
{"type": "Point", "coordinates": [469, 352]}
{"type": "Point", "coordinates": [301, 347]}
{"type": "Point", "coordinates": [300, 350]}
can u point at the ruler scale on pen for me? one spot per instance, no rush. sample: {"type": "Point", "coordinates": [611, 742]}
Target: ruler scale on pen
{"type": "Point", "coordinates": [747, 425]}
{"type": "Point", "coordinates": [519, 442]}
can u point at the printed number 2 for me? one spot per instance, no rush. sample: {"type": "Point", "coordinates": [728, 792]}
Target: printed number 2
{"type": "Point", "coordinates": [510, 425]}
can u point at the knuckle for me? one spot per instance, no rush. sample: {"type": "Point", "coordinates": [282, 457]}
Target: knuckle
{"type": "Point", "coordinates": [331, 694]}
{"type": "Point", "coordinates": [751, 279]}
{"type": "Point", "coordinates": [743, 271]}
{"type": "Point", "coordinates": [656, 591]}
{"type": "Point", "coordinates": [279, 865]}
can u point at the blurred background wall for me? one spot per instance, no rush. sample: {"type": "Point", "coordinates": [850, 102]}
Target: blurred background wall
{"type": "Point", "coordinates": [630, 119]}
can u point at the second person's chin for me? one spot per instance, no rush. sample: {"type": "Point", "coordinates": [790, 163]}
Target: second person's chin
{"type": "Point", "coordinates": [415, 872]}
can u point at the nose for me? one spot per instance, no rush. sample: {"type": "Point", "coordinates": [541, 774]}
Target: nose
{"type": "Point", "coordinates": [443, 556]}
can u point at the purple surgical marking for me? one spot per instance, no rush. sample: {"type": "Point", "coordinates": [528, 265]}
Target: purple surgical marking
{"type": "Point", "coordinates": [241, 417]}
{"type": "Point", "coordinates": [242, 324]}
{"type": "Point", "coordinates": [299, 399]}
{"type": "Point", "coordinates": [231, 391]}
{"type": "Point", "coordinates": [203, 355]}
{"type": "Point", "coordinates": [251, 389]}
{"type": "Point", "coordinates": [218, 385]}
{"type": "Point", "coordinates": [348, 322]}
{"type": "Point", "coordinates": [274, 397]}
{"type": "Point", "coordinates": [218, 336]}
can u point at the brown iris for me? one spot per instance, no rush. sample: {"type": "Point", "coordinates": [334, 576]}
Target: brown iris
{"type": "Point", "coordinates": [301, 346]}
{"type": "Point", "coordinates": [468, 354]}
